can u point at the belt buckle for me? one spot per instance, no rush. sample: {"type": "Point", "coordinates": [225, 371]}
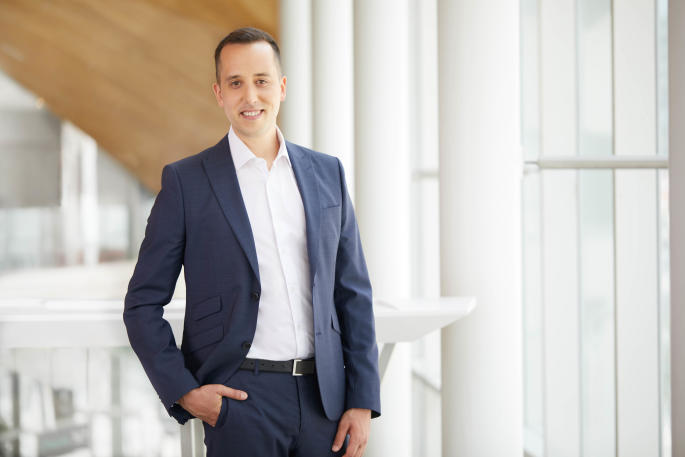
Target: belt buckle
{"type": "Point", "coordinates": [295, 362]}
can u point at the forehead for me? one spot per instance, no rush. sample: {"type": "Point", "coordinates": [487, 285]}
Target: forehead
{"type": "Point", "coordinates": [247, 58]}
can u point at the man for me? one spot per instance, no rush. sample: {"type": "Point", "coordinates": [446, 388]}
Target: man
{"type": "Point", "coordinates": [278, 356]}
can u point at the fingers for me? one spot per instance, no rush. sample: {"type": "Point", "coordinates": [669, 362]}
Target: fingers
{"type": "Point", "coordinates": [353, 450]}
{"type": "Point", "coordinates": [358, 429]}
{"type": "Point", "coordinates": [357, 442]}
{"type": "Point", "coordinates": [215, 417]}
{"type": "Point", "coordinates": [343, 426]}
{"type": "Point", "coordinates": [221, 391]}
{"type": "Point", "coordinates": [354, 447]}
{"type": "Point", "coordinates": [231, 393]}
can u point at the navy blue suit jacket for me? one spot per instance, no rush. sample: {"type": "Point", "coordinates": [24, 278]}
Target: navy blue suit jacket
{"type": "Point", "coordinates": [199, 221]}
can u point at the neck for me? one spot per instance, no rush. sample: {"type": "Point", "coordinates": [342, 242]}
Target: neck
{"type": "Point", "coordinates": [265, 147]}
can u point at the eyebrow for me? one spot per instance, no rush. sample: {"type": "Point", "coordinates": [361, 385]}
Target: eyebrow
{"type": "Point", "coordinates": [228, 78]}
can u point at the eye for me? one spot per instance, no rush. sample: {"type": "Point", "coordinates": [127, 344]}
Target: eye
{"type": "Point", "coordinates": [262, 81]}
{"type": "Point", "coordinates": [234, 83]}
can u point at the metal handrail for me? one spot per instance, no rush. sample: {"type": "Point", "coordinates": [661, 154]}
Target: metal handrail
{"type": "Point", "coordinates": [606, 162]}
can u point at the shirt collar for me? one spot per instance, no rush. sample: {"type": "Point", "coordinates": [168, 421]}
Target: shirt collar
{"type": "Point", "coordinates": [242, 154]}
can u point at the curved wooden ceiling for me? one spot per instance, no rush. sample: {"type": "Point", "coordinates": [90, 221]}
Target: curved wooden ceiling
{"type": "Point", "coordinates": [136, 75]}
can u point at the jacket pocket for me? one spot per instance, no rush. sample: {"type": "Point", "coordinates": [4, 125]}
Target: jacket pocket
{"type": "Point", "coordinates": [200, 340]}
{"type": "Point", "coordinates": [205, 308]}
{"type": "Point", "coordinates": [330, 204]}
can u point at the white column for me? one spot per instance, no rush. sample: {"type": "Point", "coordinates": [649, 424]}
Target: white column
{"type": "Point", "coordinates": [636, 212]}
{"type": "Point", "coordinates": [381, 83]}
{"type": "Point", "coordinates": [295, 117]}
{"type": "Point", "coordinates": [89, 200]}
{"type": "Point", "coordinates": [676, 64]}
{"type": "Point", "coordinates": [559, 295]}
{"type": "Point", "coordinates": [480, 235]}
{"type": "Point", "coordinates": [136, 218]}
{"type": "Point", "coordinates": [332, 82]}
{"type": "Point", "coordinates": [69, 187]}
{"type": "Point", "coordinates": [79, 200]}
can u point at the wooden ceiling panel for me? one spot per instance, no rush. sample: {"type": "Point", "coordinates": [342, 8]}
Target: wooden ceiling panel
{"type": "Point", "coordinates": [136, 75]}
{"type": "Point", "coordinates": [243, 12]}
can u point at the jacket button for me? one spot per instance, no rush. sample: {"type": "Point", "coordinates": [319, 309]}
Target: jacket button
{"type": "Point", "coordinates": [255, 295]}
{"type": "Point", "coordinates": [247, 345]}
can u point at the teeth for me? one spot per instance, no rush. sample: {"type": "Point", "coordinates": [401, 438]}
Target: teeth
{"type": "Point", "coordinates": [251, 113]}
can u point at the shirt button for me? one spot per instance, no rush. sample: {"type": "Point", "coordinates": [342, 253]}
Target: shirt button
{"type": "Point", "coordinates": [255, 295]}
{"type": "Point", "coordinates": [247, 345]}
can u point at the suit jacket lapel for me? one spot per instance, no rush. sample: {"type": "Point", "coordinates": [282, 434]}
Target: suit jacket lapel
{"type": "Point", "coordinates": [307, 182]}
{"type": "Point", "coordinates": [222, 176]}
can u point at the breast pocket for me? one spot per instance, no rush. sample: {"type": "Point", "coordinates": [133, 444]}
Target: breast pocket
{"type": "Point", "coordinates": [330, 221]}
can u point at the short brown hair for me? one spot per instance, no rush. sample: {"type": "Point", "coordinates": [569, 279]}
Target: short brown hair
{"type": "Point", "coordinates": [245, 35]}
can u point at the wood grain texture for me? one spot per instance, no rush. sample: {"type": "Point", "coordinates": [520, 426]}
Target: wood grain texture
{"type": "Point", "coordinates": [136, 75]}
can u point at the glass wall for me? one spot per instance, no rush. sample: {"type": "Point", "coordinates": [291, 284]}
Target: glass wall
{"type": "Point", "coordinates": [63, 200]}
{"type": "Point", "coordinates": [66, 206]}
{"type": "Point", "coordinates": [81, 402]}
{"type": "Point", "coordinates": [595, 197]}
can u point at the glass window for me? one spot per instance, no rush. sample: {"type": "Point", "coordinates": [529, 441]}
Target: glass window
{"type": "Point", "coordinates": [595, 217]}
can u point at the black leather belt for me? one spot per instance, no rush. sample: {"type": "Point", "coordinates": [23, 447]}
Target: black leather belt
{"type": "Point", "coordinates": [297, 367]}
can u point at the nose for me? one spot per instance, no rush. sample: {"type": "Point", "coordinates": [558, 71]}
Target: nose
{"type": "Point", "coordinates": [251, 94]}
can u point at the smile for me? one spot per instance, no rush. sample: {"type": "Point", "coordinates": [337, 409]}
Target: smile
{"type": "Point", "coordinates": [251, 114]}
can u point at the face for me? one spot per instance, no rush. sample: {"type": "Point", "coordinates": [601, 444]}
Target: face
{"type": "Point", "coordinates": [251, 89]}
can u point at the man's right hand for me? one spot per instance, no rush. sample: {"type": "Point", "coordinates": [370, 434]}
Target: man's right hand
{"type": "Point", "coordinates": [204, 402]}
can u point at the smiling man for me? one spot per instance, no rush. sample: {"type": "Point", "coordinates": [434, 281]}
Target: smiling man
{"type": "Point", "coordinates": [278, 356]}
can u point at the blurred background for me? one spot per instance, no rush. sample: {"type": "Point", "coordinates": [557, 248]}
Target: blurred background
{"type": "Point", "coordinates": [516, 152]}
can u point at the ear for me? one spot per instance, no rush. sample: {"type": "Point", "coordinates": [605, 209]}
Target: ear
{"type": "Point", "coordinates": [283, 80]}
{"type": "Point", "coordinates": [217, 93]}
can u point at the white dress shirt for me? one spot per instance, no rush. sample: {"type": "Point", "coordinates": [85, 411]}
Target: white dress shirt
{"type": "Point", "coordinates": [285, 326]}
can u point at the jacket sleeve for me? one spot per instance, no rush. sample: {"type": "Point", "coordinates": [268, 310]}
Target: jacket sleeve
{"type": "Point", "coordinates": [150, 288]}
{"type": "Point", "coordinates": [354, 306]}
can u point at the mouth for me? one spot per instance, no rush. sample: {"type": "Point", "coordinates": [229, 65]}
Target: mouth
{"type": "Point", "coordinates": [251, 115]}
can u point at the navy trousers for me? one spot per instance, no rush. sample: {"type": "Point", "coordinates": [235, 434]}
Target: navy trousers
{"type": "Point", "coordinates": [281, 417]}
